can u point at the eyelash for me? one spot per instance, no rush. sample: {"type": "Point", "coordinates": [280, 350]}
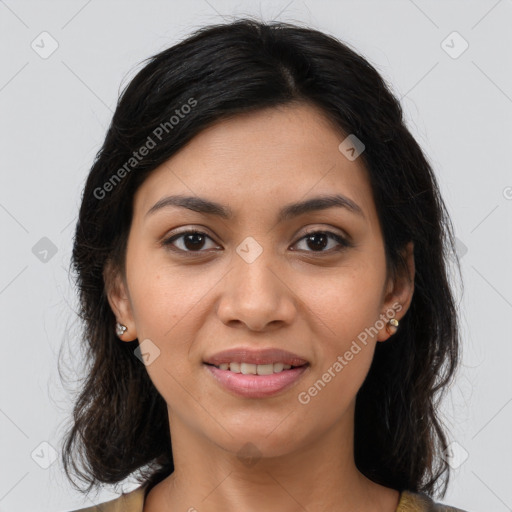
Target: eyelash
{"type": "Point", "coordinates": [344, 243]}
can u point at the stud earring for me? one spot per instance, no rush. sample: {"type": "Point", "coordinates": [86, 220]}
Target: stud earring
{"type": "Point", "coordinates": [392, 326]}
{"type": "Point", "coordinates": [120, 329]}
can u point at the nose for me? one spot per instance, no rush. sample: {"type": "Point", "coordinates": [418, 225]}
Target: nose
{"type": "Point", "coordinates": [256, 295]}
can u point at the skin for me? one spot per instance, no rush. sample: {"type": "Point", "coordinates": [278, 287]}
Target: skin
{"type": "Point", "coordinates": [293, 296]}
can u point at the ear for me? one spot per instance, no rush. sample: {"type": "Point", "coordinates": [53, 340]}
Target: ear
{"type": "Point", "coordinates": [399, 291]}
{"type": "Point", "coordinates": [119, 300]}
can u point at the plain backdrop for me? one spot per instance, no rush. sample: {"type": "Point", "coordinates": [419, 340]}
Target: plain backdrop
{"type": "Point", "coordinates": [63, 64]}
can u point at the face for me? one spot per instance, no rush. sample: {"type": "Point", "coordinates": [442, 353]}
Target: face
{"type": "Point", "coordinates": [311, 282]}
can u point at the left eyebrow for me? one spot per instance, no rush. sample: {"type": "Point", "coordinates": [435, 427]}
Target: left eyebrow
{"type": "Point", "coordinates": [206, 206]}
{"type": "Point", "coordinates": [319, 203]}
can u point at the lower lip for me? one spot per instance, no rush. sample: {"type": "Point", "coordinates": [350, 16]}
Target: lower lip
{"type": "Point", "coordinates": [257, 386]}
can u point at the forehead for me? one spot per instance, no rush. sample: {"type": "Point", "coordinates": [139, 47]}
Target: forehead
{"type": "Point", "coordinates": [276, 154]}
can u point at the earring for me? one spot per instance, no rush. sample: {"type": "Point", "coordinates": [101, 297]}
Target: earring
{"type": "Point", "coordinates": [120, 329]}
{"type": "Point", "coordinates": [392, 326]}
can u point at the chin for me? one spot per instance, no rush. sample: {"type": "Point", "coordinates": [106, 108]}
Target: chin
{"type": "Point", "coordinates": [260, 440]}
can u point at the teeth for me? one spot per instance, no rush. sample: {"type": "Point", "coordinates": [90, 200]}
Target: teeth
{"type": "Point", "coordinates": [247, 368]}
{"type": "Point", "coordinates": [265, 369]}
{"type": "Point", "coordinates": [278, 367]}
{"type": "Point", "coordinates": [254, 369]}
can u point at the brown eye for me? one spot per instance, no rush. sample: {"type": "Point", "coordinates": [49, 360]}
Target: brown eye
{"type": "Point", "coordinates": [190, 241]}
{"type": "Point", "coordinates": [317, 241]}
{"type": "Point", "coordinates": [194, 241]}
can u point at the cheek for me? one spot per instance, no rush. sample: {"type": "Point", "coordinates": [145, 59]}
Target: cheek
{"type": "Point", "coordinates": [346, 306]}
{"type": "Point", "coordinates": [346, 301]}
{"type": "Point", "coordinates": [168, 305]}
{"type": "Point", "coordinates": [343, 354]}
{"type": "Point", "coordinates": [164, 296]}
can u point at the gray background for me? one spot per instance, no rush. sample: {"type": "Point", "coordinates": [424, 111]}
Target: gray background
{"type": "Point", "coordinates": [54, 115]}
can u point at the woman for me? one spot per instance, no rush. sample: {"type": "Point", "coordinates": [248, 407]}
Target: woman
{"type": "Point", "coordinates": [261, 254]}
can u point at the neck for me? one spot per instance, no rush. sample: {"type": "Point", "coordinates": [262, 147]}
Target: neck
{"type": "Point", "coordinates": [317, 475]}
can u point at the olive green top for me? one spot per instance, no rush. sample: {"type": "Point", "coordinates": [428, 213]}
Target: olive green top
{"type": "Point", "coordinates": [134, 502]}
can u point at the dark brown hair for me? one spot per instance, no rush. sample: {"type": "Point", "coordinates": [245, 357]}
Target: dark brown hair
{"type": "Point", "coordinates": [120, 425]}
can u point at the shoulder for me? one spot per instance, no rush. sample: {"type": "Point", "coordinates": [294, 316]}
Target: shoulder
{"type": "Point", "coordinates": [420, 502]}
{"type": "Point", "coordinates": [134, 502]}
{"type": "Point", "coordinates": [128, 502]}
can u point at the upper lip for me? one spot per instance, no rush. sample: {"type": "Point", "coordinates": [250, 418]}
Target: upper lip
{"type": "Point", "coordinates": [251, 356]}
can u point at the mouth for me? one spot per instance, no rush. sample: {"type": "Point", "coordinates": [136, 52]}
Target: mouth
{"type": "Point", "coordinates": [248, 360]}
{"type": "Point", "coordinates": [256, 369]}
{"type": "Point", "coordinates": [249, 380]}
{"type": "Point", "coordinates": [245, 372]}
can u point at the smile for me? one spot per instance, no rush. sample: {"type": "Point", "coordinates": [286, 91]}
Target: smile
{"type": "Point", "coordinates": [254, 369]}
{"type": "Point", "coordinates": [255, 380]}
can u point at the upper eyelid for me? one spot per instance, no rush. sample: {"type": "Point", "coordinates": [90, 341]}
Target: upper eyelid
{"type": "Point", "coordinates": [205, 231]}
